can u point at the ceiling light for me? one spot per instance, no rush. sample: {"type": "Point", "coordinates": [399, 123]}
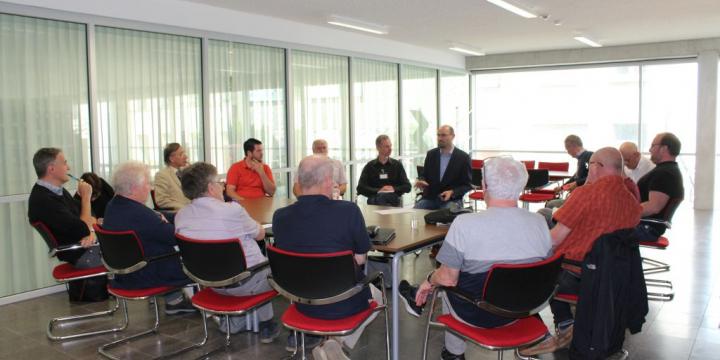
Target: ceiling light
{"type": "Point", "coordinates": [466, 50]}
{"type": "Point", "coordinates": [587, 41]}
{"type": "Point", "coordinates": [513, 9]}
{"type": "Point", "coordinates": [357, 25]}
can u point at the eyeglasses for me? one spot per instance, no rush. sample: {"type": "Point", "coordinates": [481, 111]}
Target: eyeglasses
{"type": "Point", "coordinates": [596, 163]}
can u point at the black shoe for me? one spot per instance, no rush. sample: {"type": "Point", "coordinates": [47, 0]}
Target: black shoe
{"type": "Point", "coordinates": [184, 306]}
{"type": "Point", "coordinates": [407, 295]}
{"type": "Point", "coordinates": [269, 330]}
{"type": "Point", "coordinates": [446, 355]}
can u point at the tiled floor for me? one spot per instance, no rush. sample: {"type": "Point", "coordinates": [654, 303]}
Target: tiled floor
{"type": "Point", "coordinates": [685, 328]}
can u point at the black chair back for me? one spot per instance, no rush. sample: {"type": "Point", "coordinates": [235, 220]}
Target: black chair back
{"type": "Point", "coordinates": [476, 179]}
{"type": "Point", "coordinates": [212, 263]}
{"type": "Point", "coordinates": [46, 234]}
{"type": "Point", "coordinates": [669, 210]}
{"type": "Point", "coordinates": [420, 169]}
{"type": "Point", "coordinates": [312, 276]}
{"type": "Point", "coordinates": [520, 290]}
{"type": "Point", "coordinates": [122, 251]}
{"type": "Point", "coordinates": [537, 178]}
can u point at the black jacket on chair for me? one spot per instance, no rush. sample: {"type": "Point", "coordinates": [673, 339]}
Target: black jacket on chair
{"type": "Point", "coordinates": [612, 297]}
{"type": "Point", "coordinates": [457, 175]}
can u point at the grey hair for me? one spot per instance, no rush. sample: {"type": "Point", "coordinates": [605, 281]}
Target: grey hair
{"type": "Point", "coordinates": [313, 170]}
{"type": "Point", "coordinates": [504, 178]}
{"type": "Point", "coordinates": [129, 175]}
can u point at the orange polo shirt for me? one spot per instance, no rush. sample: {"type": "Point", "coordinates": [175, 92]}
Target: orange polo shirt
{"type": "Point", "coordinates": [594, 209]}
{"type": "Point", "coordinates": [247, 182]}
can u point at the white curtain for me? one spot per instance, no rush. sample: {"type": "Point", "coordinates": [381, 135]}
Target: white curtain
{"type": "Point", "coordinates": [43, 103]}
{"type": "Point", "coordinates": [455, 106]}
{"type": "Point", "coordinates": [320, 103]}
{"type": "Point", "coordinates": [419, 109]}
{"type": "Point", "coordinates": [148, 95]}
{"type": "Point", "coordinates": [247, 99]}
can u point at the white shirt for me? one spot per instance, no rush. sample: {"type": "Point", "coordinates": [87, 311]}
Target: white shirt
{"type": "Point", "coordinates": [643, 167]}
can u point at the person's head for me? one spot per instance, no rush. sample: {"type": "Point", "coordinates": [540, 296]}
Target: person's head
{"type": "Point", "coordinates": [445, 137]}
{"type": "Point", "coordinates": [132, 180]}
{"type": "Point", "coordinates": [665, 147]}
{"type": "Point", "coordinates": [50, 165]}
{"type": "Point", "coordinates": [573, 145]}
{"type": "Point", "coordinates": [630, 154]}
{"type": "Point", "coordinates": [315, 175]}
{"type": "Point", "coordinates": [94, 181]}
{"type": "Point", "coordinates": [504, 178]}
{"type": "Point", "coordinates": [320, 147]}
{"type": "Point", "coordinates": [174, 155]}
{"type": "Point", "coordinates": [200, 180]}
{"type": "Point", "coordinates": [253, 149]}
{"type": "Point", "coordinates": [604, 162]}
{"type": "Point", "coordinates": [383, 145]}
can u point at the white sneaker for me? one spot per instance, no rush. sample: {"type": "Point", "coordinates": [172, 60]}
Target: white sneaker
{"type": "Point", "coordinates": [331, 349]}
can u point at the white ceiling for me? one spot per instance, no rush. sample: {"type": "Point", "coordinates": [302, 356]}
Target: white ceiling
{"type": "Point", "coordinates": [437, 23]}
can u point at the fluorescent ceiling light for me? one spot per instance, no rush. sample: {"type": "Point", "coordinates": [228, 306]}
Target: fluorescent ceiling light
{"type": "Point", "coordinates": [357, 25]}
{"type": "Point", "coordinates": [466, 50]}
{"type": "Point", "coordinates": [513, 9]}
{"type": "Point", "coordinates": [587, 41]}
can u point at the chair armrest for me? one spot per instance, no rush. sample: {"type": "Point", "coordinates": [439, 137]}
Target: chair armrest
{"type": "Point", "coordinates": [324, 301]}
{"type": "Point", "coordinates": [370, 278]}
{"type": "Point", "coordinates": [162, 257]}
{"type": "Point", "coordinates": [64, 248]}
{"type": "Point", "coordinates": [498, 310]}
{"type": "Point", "coordinates": [667, 224]}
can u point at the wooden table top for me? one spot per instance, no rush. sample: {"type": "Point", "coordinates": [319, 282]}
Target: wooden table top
{"type": "Point", "coordinates": [406, 238]}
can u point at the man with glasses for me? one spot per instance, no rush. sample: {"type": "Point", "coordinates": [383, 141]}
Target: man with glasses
{"type": "Point", "coordinates": [661, 185]}
{"type": "Point", "coordinates": [603, 205]}
{"type": "Point", "coordinates": [446, 173]}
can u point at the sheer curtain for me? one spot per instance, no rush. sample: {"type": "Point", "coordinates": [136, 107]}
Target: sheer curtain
{"type": "Point", "coordinates": [320, 103]}
{"type": "Point", "coordinates": [148, 95]}
{"type": "Point", "coordinates": [43, 103]}
{"type": "Point", "coordinates": [419, 114]}
{"type": "Point", "coordinates": [455, 106]}
{"type": "Point", "coordinates": [247, 99]}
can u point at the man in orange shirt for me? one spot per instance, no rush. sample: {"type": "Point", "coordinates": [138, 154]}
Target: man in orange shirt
{"type": "Point", "coordinates": [604, 204]}
{"type": "Point", "coordinates": [250, 178]}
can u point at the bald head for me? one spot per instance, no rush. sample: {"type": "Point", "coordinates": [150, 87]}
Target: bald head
{"type": "Point", "coordinates": [630, 154]}
{"type": "Point", "coordinates": [445, 137]}
{"type": "Point", "coordinates": [315, 175]}
{"type": "Point", "coordinates": [605, 162]}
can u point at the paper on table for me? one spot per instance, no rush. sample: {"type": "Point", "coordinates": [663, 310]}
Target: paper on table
{"type": "Point", "coordinates": [394, 211]}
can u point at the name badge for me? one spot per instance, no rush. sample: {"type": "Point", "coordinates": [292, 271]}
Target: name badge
{"type": "Point", "coordinates": [383, 176]}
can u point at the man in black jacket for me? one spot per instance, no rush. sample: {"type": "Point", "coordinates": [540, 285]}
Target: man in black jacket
{"type": "Point", "coordinates": [69, 221]}
{"type": "Point", "coordinates": [446, 174]}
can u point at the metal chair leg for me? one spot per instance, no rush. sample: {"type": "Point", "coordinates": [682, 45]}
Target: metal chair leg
{"type": "Point", "coordinates": [59, 320]}
{"type": "Point", "coordinates": [427, 326]}
{"type": "Point", "coordinates": [660, 295]}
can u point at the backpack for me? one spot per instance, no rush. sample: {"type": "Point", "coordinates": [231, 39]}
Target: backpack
{"type": "Point", "coordinates": [445, 216]}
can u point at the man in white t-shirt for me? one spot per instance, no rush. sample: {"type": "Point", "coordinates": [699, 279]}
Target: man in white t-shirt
{"type": "Point", "coordinates": [636, 165]}
{"type": "Point", "coordinates": [320, 147]}
{"type": "Point", "coordinates": [209, 217]}
{"type": "Point", "coordinates": [503, 233]}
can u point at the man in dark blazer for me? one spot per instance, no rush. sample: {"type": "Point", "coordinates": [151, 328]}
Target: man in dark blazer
{"type": "Point", "coordinates": [446, 174]}
{"type": "Point", "coordinates": [127, 211]}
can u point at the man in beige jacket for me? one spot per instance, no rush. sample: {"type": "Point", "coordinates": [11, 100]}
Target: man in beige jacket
{"type": "Point", "coordinates": [168, 192]}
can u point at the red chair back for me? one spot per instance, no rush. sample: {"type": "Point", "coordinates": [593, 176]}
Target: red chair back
{"type": "Point", "coordinates": [529, 164]}
{"type": "Point", "coordinates": [122, 251]}
{"type": "Point", "coordinates": [554, 166]}
{"type": "Point", "coordinates": [477, 164]}
{"type": "Point", "coordinates": [46, 234]}
{"type": "Point", "coordinates": [212, 262]}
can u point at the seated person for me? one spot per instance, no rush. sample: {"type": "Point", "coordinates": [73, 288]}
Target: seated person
{"type": "Point", "coordinates": [603, 205]}
{"type": "Point", "coordinates": [475, 242]}
{"type": "Point", "coordinates": [127, 211]}
{"type": "Point", "coordinates": [659, 186]}
{"type": "Point", "coordinates": [168, 194]}
{"type": "Point", "coordinates": [636, 165]}
{"type": "Point", "coordinates": [316, 224]}
{"type": "Point", "coordinates": [209, 217]}
{"type": "Point", "coordinates": [320, 147]}
{"type": "Point", "coordinates": [102, 192]}
{"type": "Point", "coordinates": [446, 173]}
{"type": "Point", "coordinates": [574, 147]}
{"type": "Point", "coordinates": [250, 178]}
{"type": "Point", "coordinates": [383, 180]}
{"type": "Point", "coordinates": [70, 221]}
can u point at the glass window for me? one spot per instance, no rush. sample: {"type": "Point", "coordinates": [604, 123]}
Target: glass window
{"type": "Point", "coordinates": [455, 106]}
{"type": "Point", "coordinates": [148, 95]}
{"type": "Point", "coordinates": [419, 109]}
{"type": "Point", "coordinates": [43, 103]}
{"type": "Point", "coordinates": [247, 99]}
{"type": "Point", "coordinates": [320, 103]}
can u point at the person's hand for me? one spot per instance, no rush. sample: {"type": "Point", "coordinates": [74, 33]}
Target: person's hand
{"type": "Point", "coordinates": [88, 241]}
{"type": "Point", "coordinates": [84, 190]}
{"type": "Point", "coordinates": [387, 188]}
{"type": "Point", "coordinates": [421, 184]}
{"type": "Point", "coordinates": [422, 293]}
{"type": "Point", "coordinates": [162, 217]}
{"type": "Point", "coordinates": [446, 195]}
{"type": "Point", "coordinates": [255, 166]}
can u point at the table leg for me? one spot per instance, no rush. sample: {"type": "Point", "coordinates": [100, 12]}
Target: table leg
{"type": "Point", "coordinates": [395, 305]}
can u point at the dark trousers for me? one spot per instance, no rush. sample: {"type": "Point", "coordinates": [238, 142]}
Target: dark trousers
{"type": "Point", "coordinates": [568, 283]}
{"type": "Point", "coordinates": [386, 199]}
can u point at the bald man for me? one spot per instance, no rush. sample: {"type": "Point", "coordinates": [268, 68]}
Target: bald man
{"type": "Point", "coordinates": [320, 147]}
{"type": "Point", "coordinates": [636, 165]}
{"type": "Point", "coordinates": [603, 205]}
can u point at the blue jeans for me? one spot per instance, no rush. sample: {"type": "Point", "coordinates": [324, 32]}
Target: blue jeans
{"type": "Point", "coordinates": [434, 204]}
{"type": "Point", "coordinates": [645, 232]}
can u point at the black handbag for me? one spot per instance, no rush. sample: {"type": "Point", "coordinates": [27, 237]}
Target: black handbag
{"type": "Point", "coordinates": [445, 216]}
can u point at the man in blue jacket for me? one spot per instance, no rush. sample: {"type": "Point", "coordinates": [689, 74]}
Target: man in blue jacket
{"type": "Point", "coordinates": [127, 211]}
